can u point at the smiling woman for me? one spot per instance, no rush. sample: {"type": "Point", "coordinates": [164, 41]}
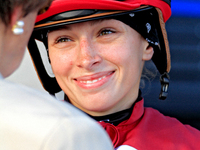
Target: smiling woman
{"type": "Point", "coordinates": [97, 51]}
{"type": "Point", "coordinates": [90, 61]}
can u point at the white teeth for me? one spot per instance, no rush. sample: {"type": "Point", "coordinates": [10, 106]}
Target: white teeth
{"type": "Point", "coordinates": [93, 81]}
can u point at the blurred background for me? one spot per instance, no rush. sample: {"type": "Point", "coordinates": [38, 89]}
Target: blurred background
{"type": "Point", "coordinates": [183, 101]}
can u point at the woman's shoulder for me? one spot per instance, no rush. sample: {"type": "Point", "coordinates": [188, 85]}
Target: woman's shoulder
{"type": "Point", "coordinates": [168, 125]}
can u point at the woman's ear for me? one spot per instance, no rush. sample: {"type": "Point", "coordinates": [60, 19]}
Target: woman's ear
{"type": "Point", "coordinates": [16, 16]}
{"type": "Point", "coordinates": [16, 21]}
{"type": "Point", "coordinates": [148, 53]}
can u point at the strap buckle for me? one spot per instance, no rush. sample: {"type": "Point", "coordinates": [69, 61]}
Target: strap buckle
{"type": "Point", "coordinates": [164, 80]}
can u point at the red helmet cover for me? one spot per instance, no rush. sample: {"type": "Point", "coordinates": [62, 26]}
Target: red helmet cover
{"type": "Point", "coordinates": [59, 6]}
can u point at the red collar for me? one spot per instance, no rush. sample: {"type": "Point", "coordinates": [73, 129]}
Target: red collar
{"type": "Point", "coordinates": [138, 111]}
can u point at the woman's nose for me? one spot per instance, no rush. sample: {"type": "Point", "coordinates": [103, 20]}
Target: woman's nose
{"type": "Point", "coordinates": [88, 55]}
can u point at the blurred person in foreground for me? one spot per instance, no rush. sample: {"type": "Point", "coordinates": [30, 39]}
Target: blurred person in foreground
{"type": "Point", "coordinates": [30, 120]}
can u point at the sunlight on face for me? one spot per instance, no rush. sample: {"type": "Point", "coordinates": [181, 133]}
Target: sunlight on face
{"type": "Point", "coordinates": [98, 64]}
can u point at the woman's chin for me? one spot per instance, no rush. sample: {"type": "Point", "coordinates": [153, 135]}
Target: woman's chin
{"type": "Point", "coordinates": [98, 110]}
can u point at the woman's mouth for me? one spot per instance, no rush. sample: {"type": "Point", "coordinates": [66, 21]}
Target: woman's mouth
{"type": "Point", "coordinates": [93, 81]}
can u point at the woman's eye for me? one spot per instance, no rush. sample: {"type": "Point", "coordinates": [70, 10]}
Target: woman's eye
{"type": "Point", "coordinates": [62, 39]}
{"type": "Point", "coordinates": [105, 32]}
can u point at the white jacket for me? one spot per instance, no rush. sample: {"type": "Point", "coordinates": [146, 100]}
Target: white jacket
{"type": "Point", "coordinates": [31, 120]}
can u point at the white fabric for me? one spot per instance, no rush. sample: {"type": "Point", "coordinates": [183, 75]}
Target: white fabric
{"type": "Point", "coordinates": [30, 120]}
{"type": "Point", "coordinates": [125, 147]}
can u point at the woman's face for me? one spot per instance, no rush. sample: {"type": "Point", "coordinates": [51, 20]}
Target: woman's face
{"type": "Point", "coordinates": [98, 64]}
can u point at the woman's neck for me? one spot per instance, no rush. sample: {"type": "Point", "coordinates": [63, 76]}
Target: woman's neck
{"type": "Point", "coordinates": [118, 117]}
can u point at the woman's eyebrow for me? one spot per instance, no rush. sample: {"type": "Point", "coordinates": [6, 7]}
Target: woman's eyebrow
{"type": "Point", "coordinates": [65, 27]}
{"type": "Point", "coordinates": [69, 27]}
{"type": "Point", "coordinates": [97, 21]}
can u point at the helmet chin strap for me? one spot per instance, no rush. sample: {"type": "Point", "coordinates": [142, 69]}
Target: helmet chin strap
{"type": "Point", "coordinates": [49, 83]}
{"type": "Point", "coordinates": [164, 80]}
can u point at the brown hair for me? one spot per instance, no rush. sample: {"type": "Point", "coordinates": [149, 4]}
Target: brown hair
{"type": "Point", "coordinates": [7, 7]}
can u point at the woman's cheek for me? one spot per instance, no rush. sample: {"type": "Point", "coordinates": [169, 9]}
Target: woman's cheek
{"type": "Point", "coordinates": [117, 54]}
{"type": "Point", "coordinates": [61, 63]}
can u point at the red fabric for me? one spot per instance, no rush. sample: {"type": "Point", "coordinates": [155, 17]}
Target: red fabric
{"type": "Point", "coordinates": [59, 6]}
{"type": "Point", "coordinates": [147, 129]}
